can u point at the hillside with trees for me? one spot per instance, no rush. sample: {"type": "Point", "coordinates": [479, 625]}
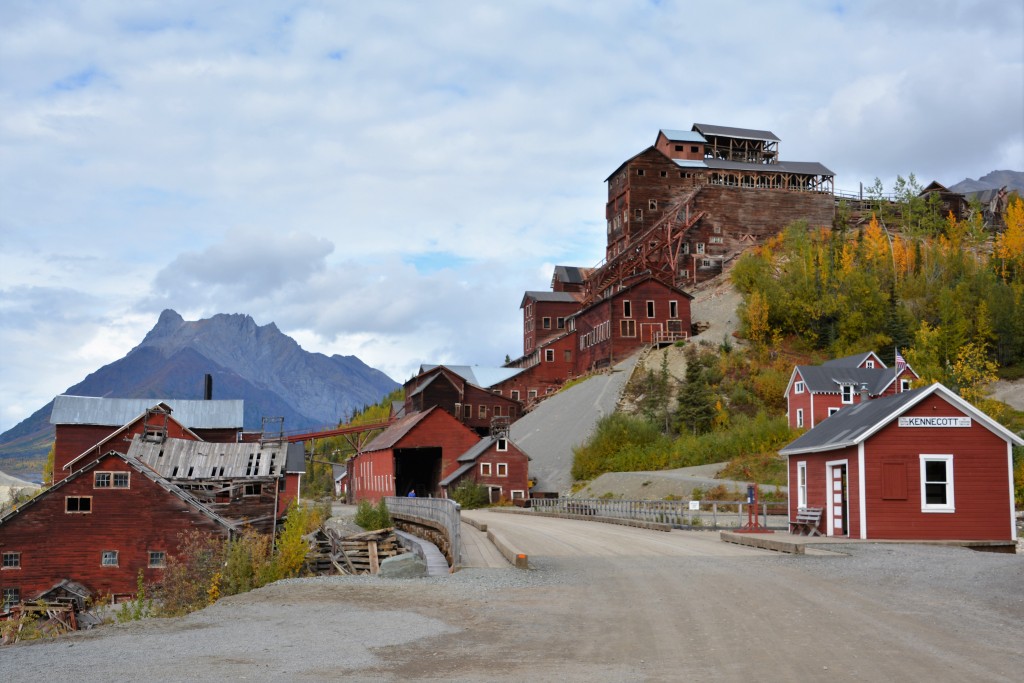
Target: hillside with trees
{"type": "Point", "coordinates": [948, 293]}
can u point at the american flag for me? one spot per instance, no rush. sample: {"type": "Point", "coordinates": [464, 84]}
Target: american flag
{"type": "Point", "coordinates": [900, 362]}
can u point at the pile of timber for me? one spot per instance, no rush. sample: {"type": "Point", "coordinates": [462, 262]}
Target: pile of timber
{"type": "Point", "coordinates": [359, 553]}
{"type": "Point", "coordinates": [50, 620]}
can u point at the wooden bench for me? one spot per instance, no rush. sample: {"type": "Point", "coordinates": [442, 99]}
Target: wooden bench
{"type": "Point", "coordinates": [806, 522]}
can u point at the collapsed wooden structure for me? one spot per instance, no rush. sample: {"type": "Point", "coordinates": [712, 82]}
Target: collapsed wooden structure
{"type": "Point", "coordinates": [359, 553]}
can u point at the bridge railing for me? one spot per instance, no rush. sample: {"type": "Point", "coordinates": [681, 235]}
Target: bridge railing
{"type": "Point", "coordinates": [713, 514]}
{"type": "Point", "coordinates": [443, 512]}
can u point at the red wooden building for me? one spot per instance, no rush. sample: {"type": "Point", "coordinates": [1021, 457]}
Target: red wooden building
{"type": "Point", "coordinates": [414, 453]}
{"type": "Point", "coordinates": [248, 483]}
{"type": "Point", "coordinates": [87, 426]}
{"type": "Point", "coordinates": [498, 464]}
{"type": "Point", "coordinates": [473, 394]}
{"type": "Point", "coordinates": [815, 392]}
{"type": "Point", "coordinates": [918, 465]}
{"type": "Point", "coordinates": [544, 369]}
{"type": "Point", "coordinates": [99, 527]}
{"type": "Point", "coordinates": [545, 315]}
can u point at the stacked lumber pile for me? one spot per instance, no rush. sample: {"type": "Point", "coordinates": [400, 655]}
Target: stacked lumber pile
{"type": "Point", "coordinates": [359, 553]}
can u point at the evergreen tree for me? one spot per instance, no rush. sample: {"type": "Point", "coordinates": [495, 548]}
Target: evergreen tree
{"type": "Point", "coordinates": [696, 409]}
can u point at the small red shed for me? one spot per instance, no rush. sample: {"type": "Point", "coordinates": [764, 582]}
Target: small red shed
{"type": "Point", "coordinates": [919, 465]}
{"type": "Point", "coordinates": [498, 464]}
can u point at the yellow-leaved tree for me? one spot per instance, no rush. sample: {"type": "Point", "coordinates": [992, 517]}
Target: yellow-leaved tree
{"type": "Point", "coordinates": [1009, 246]}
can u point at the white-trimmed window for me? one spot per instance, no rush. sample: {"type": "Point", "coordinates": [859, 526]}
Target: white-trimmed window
{"type": "Point", "coordinates": [502, 469]}
{"type": "Point", "coordinates": [799, 418]}
{"type": "Point", "coordinates": [700, 247]}
{"type": "Point", "coordinates": [627, 309]}
{"type": "Point", "coordinates": [904, 385]}
{"type": "Point", "coordinates": [502, 445]}
{"type": "Point", "coordinates": [673, 309]}
{"type": "Point", "coordinates": [832, 411]}
{"type": "Point", "coordinates": [937, 483]}
{"type": "Point", "coordinates": [549, 355]}
{"type": "Point", "coordinates": [514, 394]}
{"type": "Point", "coordinates": [869, 364]}
{"type": "Point", "coordinates": [847, 393]}
{"type": "Point", "coordinates": [122, 480]}
{"type": "Point", "coordinates": [560, 323]}
{"type": "Point", "coordinates": [108, 558]}
{"type": "Point", "coordinates": [482, 413]}
{"type": "Point", "coordinates": [157, 558]}
{"type": "Point", "coordinates": [801, 484]}
{"type": "Point", "coordinates": [485, 469]}
{"type": "Point", "coordinates": [650, 309]}
{"type": "Point", "coordinates": [11, 560]}
{"type": "Point", "coordinates": [518, 494]}
{"type": "Point", "coordinates": [652, 204]}
{"type": "Point", "coordinates": [798, 388]}
{"type": "Point", "coordinates": [101, 480]}
{"type": "Point", "coordinates": [531, 393]}
{"type": "Point", "coordinates": [546, 322]}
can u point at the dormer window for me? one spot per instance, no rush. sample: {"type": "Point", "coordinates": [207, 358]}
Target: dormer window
{"type": "Point", "coordinates": [798, 388]}
{"type": "Point", "coordinates": [847, 393]}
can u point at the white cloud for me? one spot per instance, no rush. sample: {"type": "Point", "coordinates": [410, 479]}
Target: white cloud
{"type": "Point", "coordinates": [401, 172]}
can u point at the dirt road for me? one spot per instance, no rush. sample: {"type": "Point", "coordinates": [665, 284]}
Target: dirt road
{"type": "Point", "coordinates": [602, 603]}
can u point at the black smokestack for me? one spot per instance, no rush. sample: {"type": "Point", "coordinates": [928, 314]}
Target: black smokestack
{"type": "Point", "coordinates": [207, 387]}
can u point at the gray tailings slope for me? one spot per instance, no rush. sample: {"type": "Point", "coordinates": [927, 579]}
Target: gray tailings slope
{"type": "Point", "coordinates": [567, 419]}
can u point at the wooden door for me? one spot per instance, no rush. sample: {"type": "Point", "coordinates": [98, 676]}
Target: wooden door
{"type": "Point", "coordinates": [837, 479]}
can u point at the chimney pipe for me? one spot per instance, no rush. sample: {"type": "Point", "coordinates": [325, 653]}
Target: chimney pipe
{"type": "Point", "coordinates": [207, 387]}
{"type": "Point", "coordinates": [863, 392]}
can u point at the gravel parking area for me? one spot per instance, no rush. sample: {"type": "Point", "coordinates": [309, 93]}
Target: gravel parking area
{"type": "Point", "coordinates": [598, 605]}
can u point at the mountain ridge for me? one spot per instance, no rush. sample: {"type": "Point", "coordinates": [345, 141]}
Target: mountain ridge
{"type": "Point", "coordinates": [258, 364]}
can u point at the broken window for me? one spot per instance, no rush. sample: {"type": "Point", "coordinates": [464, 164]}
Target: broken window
{"type": "Point", "coordinates": [121, 480]}
{"type": "Point", "coordinates": [109, 558]}
{"type": "Point", "coordinates": [502, 469]}
{"type": "Point", "coordinates": [12, 560]}
{"type": "Point", "coordinates": [252, 489]}
{"type": "Point", "coordinates": [11, 597]}
{"type": "Point", "coordinates": [157, 558]}
{"type": "Point", "coordinates": [101, 480]}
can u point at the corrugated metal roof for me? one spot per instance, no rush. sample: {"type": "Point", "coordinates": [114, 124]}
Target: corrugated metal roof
{"type": "Point", "coordinates": [544, 295]}
{"type": "Point", "coordinates": [571, 274]}
{"type": "Point", "coordinates": [483, 377]}
{"type": "Point", "coordinates": [801, 167]}
{"type": "Point", "coordinates": [394, 433]}
{"type": "Point", "coordinates": [90, 410]}
{"type": "Point", "coordinates": [184, 459]}
{"type": "Point", "coordinates": [824, 379]}
{"type": "Point", "coordinates": [457, 473]}
{"type": "Point", "coordinates": [690, 163]}
{"type": "Point", "coordinates": [682, 135]}
{"type": "Point", "coordinates": [730, 132]}
{"type": "Point", "coordinates": [853, 361]}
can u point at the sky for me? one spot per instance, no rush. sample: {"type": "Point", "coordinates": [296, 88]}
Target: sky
{"type": "Point", "coordinates": [386, 179]}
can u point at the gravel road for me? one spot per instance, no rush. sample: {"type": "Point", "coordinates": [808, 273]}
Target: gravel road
{"type": "Point", "coordinates": [602, 603]}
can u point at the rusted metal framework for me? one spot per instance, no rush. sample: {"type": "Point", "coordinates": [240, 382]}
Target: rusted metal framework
{"type": "Point", "coordinates": [658, 251]}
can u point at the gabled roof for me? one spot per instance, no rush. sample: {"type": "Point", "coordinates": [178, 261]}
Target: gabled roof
{"type": "Point", "coordinates": [90, 410]}
{"type": "Point", "coordinates": [139, 467]}
{"type": "Point", "coordinates": [482, 377]}
{"type": "Point", "coordinates": [184, 459]}
{"type": "Point", "coordinates": [707, 129]}
{"type": "Point", "coordinates": [855, 360]}
{"type": "Point", "coordinates": [469, 458]}
{"type": "Point", "coordinates": [682, 135]}
{"type": "Point", "coordinates": [554, 297]}
{"type": "Point", "coordinates": [822, 379]}
{"type": "Point", "coordinates": [852, 425]}
{"type": "Point", "coordinates": [572, 275]}
{"type": "Point", "coordinates": [396, 431]}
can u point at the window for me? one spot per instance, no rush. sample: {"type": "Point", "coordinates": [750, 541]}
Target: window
{"type": "Point", "coordinates": [560, 323]}
{"type": "Point", "coordinates": [627, 309]}
{"type": "Point", "coordinates": [664, 174]}
{"type": "Point", "coordinates": [628, 328]}
{"type": "Point", "coordinates": [109, 558]}
{"type": "Point", "coordinates": [684, 273]}
{"type": "Point", "coordinates": [157, 558]}
{"type": "Point", "coordinates": [532, 393]}
{"type": "Point", "coordinates": [799, 417]}
{"type": "Point", "coordinates": [717, 229]}
{"type": "Point", "coordinates": [502, 444]}
{"type": "Point", "coordinates": [717, 240]}
{"type": "Point", "coordinates": [673, 309]}
{"type": "Point", "coordinates": [904, 385]}
{"type": "Point", "coordinates": [549, 355]}
{"type": "Point", "coordinates": [705, 263]}
{"type": "Point", "coordinates": [252, 489]}
{"type": "Point", "coordinates": [700, 247]}
{"type": "Point", "coordinates": [101, 480]}
{"type": "Point", "coordinates": [482, 412]}
{"type": "Point", "coordinates": [546, 322]}
{"type": "Point", "coordinates": [514, 394]}
{"type": "Point", "coordinates": [937, 483]}
{"type": "Point", "coordinates": [847, 392]}
{"type": "Point", "coordinates": [121, 480]}
{"type": "Point", "coordinates": [679, 148]}
{"type": "Point", "coordinates": [638, 214]}
{"type": "Point", "coordinates": [832, 411]}
{"type": "Point", "coordinates": [650, 309]}
{"type": "Point", "coordinates": [78, 504]}
{"type": "Point", "coordinates": [12, 561]}
{"type": "Point", "coordinates": [798, 387]}
{"type": "Point", "coordinates": [11, 596]}
{"type": "Point", "coordinates": [497, 411]}
{"type": "Point", "coordinates": [467, 411]}
{"type": "Point", "coordinates": [686, 247]}
{"type": "Point", "coordinates": [869, 364]}
{"type": "Point", "coordinates": [801, 484]}
{"type": "Point", "coordinates": [485, 469]}
{"type": "Point", "coordinates": [652, 204]}
{"type": "Point", "coordinates": [502, 469]}
{"type": "Point", "coordinates": [694, 148]}
{"type": "Point", "coordinates": [518, 494]}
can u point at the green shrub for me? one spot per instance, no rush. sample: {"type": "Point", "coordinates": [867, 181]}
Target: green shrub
{"type": "Point", "coordinates": [470, 495]}
{"type": "Point", "coordinates": [139, 608]}
{"type": "Point", "coordinates": [372, 517]}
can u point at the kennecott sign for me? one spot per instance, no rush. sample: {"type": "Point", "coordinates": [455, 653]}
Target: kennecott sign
{"type": "Point", "coordinates": [935, 422]}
